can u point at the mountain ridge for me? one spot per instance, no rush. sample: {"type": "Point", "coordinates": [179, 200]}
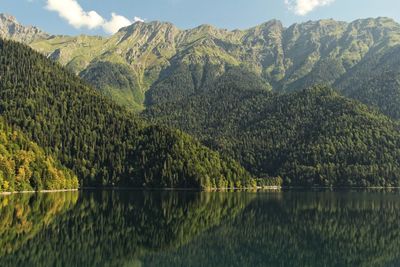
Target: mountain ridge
{"type": "Point", "coordinates": [287, 58]}
{"type": "Point", "coordinates": [10, 28]}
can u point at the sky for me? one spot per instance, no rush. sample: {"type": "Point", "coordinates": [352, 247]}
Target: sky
{"type": "Point", "coordinates": [105, 17]}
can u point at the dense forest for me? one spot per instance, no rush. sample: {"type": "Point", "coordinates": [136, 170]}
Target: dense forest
{"type": "Point", "coordinates": [103, 143]}
{"type": "Point", "coordinates": [311, 137]}
{"type": "Point", "coordinates": [25, 167]}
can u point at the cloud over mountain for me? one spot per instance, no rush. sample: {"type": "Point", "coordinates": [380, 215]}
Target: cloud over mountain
{"type": "Point", "coordinates": [303, 7]}
{"type": "Point", "coordinates": [73, 13]}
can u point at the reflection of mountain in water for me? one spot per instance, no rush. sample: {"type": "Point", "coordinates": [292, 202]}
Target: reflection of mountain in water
{"type": "Point", "coordinates": [300, 229]}
{"type": "Point", "coordinates": [115, 228]}
{"type": "Point", "coordinates": [134, 228]}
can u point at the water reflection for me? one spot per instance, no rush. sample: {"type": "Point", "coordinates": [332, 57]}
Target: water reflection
{"type": "Point", "coordinates": [133, 228]}
{"type": "Point", "coordinates": [115, 228]}
{"type": "Point", "coordinates": [300, 229]}
{"type": "Point", "coordinates": [22, 216]}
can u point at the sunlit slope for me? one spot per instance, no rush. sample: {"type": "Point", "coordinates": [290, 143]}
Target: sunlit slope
{"type": "Point", "coordinates": [292, 58]}
{"type": "Point", "coordinates": [24, 166]}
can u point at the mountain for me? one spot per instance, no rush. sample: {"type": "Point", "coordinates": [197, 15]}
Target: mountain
{"type": "Point", "coordinates": [139, 58]}
{"type": "Point", "coordinates": [103, 143]}
{"type": "Point", "coordinates": [10, 28]}
{"type": "Point", "coordinates": [310, 137]}
{"type": "Point", "coordinates": [25, 167]}
{"type": "Point", "coordinates": [242, 92]}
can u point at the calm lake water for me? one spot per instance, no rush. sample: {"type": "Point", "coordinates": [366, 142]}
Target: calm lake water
{"type": "Point", "coordinates": [136, 228]}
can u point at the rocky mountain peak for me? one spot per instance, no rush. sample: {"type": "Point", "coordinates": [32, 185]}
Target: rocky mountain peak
{"type": "Point", "coordinates": [8, 18]}
{"type": "Point", "coordinates": [10, 28]}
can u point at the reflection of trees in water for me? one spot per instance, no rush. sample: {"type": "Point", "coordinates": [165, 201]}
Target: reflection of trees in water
{"type": "Point", "coordinates": [300, 229]}
{"type": "Point", "coordinates": [200, 229]}
{"type": "Point", "coordinates": [113, 228]}
{"type": "Point", "coordinates": [22, 216]}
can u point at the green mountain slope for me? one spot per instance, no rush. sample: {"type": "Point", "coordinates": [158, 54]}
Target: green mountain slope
{"type": "Point", "coordinates": [313, 137]}
{"type": "Point", "coordinates": [115, 81]}
{"type": "Point", "coordinates": [342, 54]}
{"type": "Point", "coordinates": [375, 82]}
{"type": "Point", "coordinates": [25, 166]}
{"type": "Point", "coordinates": [102, 143]}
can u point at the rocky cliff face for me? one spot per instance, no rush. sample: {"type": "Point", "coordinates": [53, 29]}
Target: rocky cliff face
{"type": "Point", "coordinates": [11, 29]}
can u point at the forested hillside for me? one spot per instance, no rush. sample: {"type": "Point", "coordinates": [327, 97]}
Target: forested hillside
{"type": "Point", "coordinates": [227, 88]}
{"type": "Point", "coordinates": [25, 167]}
{"type": "Point", "coordinates": [104, 144]}
{"type": "Point", "coordinates": [312, 137]}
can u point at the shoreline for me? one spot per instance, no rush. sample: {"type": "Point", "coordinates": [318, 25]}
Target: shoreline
{"type": "Point", "coordinates": [39, 191]}
{"type": "Point", "coordinates": [184, 189]}
{"type": "Point", "coordinates": [146, 189]}
{"type": "Point", "coordinates": [258, 188]}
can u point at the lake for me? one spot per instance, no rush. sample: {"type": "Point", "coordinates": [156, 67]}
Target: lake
{"type": "Point", "coordinates": [143, 228]}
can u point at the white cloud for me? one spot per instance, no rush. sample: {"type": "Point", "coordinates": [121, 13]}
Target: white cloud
{"type": "Point", "coordinates": [71, 11]}
{"type": "Point", "coordinates": [138, 19]}
{"type": "Point", "coordinates": [303, 7]}
{"type": "Point", "coordinates": [116, 23]}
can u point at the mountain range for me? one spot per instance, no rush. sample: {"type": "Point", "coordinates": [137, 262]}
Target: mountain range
{"type": "Point", "coordinates": [129, 65]}
{"type": "Point", "coordinates": [316, 103]}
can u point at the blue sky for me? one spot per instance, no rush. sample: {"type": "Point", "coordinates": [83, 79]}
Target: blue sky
{"type": "Point", "coordinates": [95, 16]}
